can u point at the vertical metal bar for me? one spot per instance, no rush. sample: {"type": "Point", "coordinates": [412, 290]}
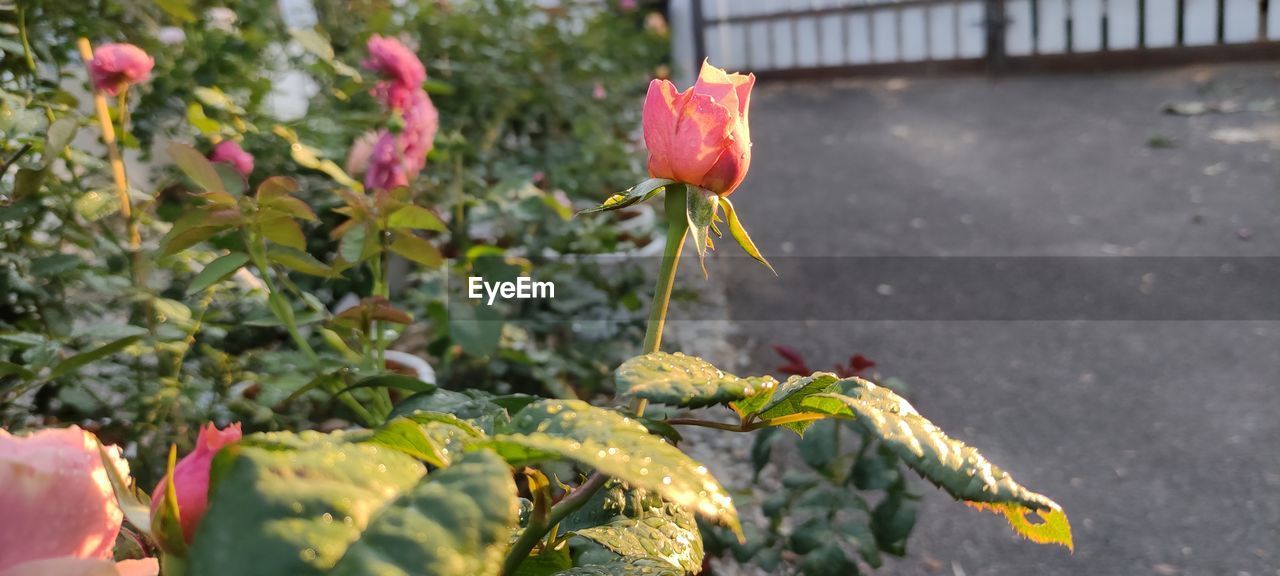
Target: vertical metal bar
{"type": "Point", "coordinates": [1222, 22]}
{"type": "Point", "coordinates": [995, 22]}
{"type": "Point", "coordinates": [795, 38]}
{"type": "Point", "coordinates": [1263, 7]}
{"type": "Point", "coordinates": [955, 23]}
{"type": "Point", "coordinates": [1106, 25]}
{"type": "Point", "coordinates": [846, 44]}
{"type": "Point", "coordinates": [871, 34]}
{"type": "Point", "coordinates": [897, 33]}
{"type": "Point", "coordinates": [699, 36]}
{"type": "Point", "coordinates": [1035, 27]}
{"type": "Point", "coordinates": [1142, 24]}
{"type": "Point", "coordinates": [928, 31]}
{"type": "Point", "coordinates": [1180, 25]}
{"type": "Point", "coordinates": [1070, 27]}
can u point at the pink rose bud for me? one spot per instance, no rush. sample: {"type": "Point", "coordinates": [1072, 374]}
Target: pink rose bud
{"type": "Point", "coordinates": [598, 92]}
{"type": "Point", "coordinates": [700, 136]}
{"type": "Point", "coordinates": [401, 71]}
{"type": "Point", "coordinates": [230, 152]}
{"type": "Point", "coordinates": [191, 476]}
{"type": "Point", "coordinates": [115, 66]}
{"type": "Point", "coordinates": [56, 498]}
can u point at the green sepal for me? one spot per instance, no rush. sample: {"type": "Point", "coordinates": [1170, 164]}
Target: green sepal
{"type": "Point", "coordinates": [166, 522]}
{"type": "Point", "coordinates": [740, 234]}
{"type": "Point", "coordinates": [701, 211]}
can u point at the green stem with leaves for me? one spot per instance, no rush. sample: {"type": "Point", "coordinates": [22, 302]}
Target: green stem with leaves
{"type": "Point", "coordinates": [677, 229]}
{"type": "Point", "coordinates": [283, 311]}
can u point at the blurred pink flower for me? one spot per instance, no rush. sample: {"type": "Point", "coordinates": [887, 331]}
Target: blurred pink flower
{"type": "Point", "coordinates": [191, 476]}
{"type": "Point", "coordinates": [598, 92]}
{"type": "Point", "coordinates": [396, 159]}
{"type": "Point", "coordinates": [401, 71]}
{"type": "Point", "coordinates": [386, 164]}
{"type": "Point", "coordinates": [116, 66]}
{"type": "Point", "coordinates": [628, 5]}
{"type": "Point", "coordinates": [56, 498]}
{"type": "Point", "coordinates": [358, 156]}
{"type": "Point", "coordinates": [85, 567]}
{"type": "Point", "coordinates": [230, 152]}
{"type": "Point", "coordinates": [539, 176]}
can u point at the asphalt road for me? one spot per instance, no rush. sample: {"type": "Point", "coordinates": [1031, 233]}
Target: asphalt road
{"type": "Point", "coordinates": [1160, 437]}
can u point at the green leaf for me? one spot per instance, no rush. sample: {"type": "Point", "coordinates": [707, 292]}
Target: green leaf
{"type": "Point", "coordinates": [406, 436]}
{"type": "Point", "coordinates": [54, 265]}
{"type": "Point", "coordinates": [893, 519]}
{"type": "Point", "coordinates": [829, 560]}
{"type": "Point", "coordinates": [296, 503]}
{"type": "Point", "coordinates": [472, 406]}
{"type": "Point", "coordinates": [9, 368]}
{"type": "Point", "coordinates": [701, 210]}
{"type": "Point", "coordinates": [668, 535]}
{"type": "Point", "coordinates": [298, 261]}
{"type": "Point", "coordinates": [960, 470]}
{"type": "Point", "coordinates": [617, 446]}
{"type": "Point", "coordinates": [415, 218]}
{"type": "Point", "coordinates": [201, 122]}
{"type": "Point", "coordinates": [685, 381]}
{"type": "Point", "coordinates": [60, 134]}
{"type": "Point", "coordinates": [80, 360]}
{"type": "Point", "coordinates": [455, 523]}
{"type": "Point", "coordinates": [217, 271]}
{"type": "Point", "coordinates": [740, 234]}
{"type": "Point", "coordinates": [352, 247]}
{"type": "Point", "coordinates": [285, 232]}
{"type": "Point", "coordinates": [787, 402]}
{"type": "Point", "coordinates": [641, 192]}
{"type": "Point", "coordinates": [416, 249]}
{"type": "Point", "coordinates": [196, 167]}
{"type": "Point", "coordinates": [477, 329]}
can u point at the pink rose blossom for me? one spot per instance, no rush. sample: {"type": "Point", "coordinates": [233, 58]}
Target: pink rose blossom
{"type": "Point", "coordinates": [358, 156]}
{"type": "Point", "coordinates": [386, 164]}
{"type": "Point", "coordinates": [230, 152]}
{"type": "Point", "coordinates": [700, 136]}
{"type": "Point", "coordinates": [401, 71]}
{"type": "Point", "coordinates": [56, 499]}
{"type": "Point", "coordinates": [191, 476]}
{"type": "Point", "coordinates": [396, 159]}
{"type": "Point", "coordinates": [115, 66]}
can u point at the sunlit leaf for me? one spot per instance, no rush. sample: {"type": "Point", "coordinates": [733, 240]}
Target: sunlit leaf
{"type": "Point", "coordinates": [416, 249]}
{"type": "Point", "coordinates": [417, 218]}
{"type": "Point", "coordinates": [617, 446]}
{"type": "Point", "coordinates": [298, 260]}
{"type": "Point", "coordinates": [960, 470]}
{"type": "Point", "coordinates": [686, 381]}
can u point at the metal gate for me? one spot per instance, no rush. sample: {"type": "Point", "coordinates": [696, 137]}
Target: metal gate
{"type": "Point", "coordinates": [807, 38]}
